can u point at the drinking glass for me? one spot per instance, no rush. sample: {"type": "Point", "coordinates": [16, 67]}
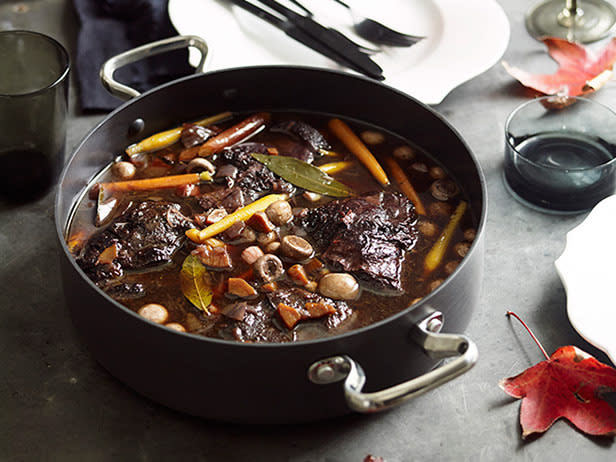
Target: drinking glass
{"type": "Point", "coordinates": [560, 159]}
{"type": "Point", "coordinates": [33, 110]}
{"type": "Point", "coordinates": [576, 21]}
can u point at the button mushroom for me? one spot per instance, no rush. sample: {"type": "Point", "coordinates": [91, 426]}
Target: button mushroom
{"type": "Point", "coordinates": [268, 268]}
{"type": "Point", "coordinates": [175, 326]}
{"type": "Point", "coordinates": [123, 170]}
{"type": "Point", "coordinates": [372, 137]}
{"type": "Point", "coordinates": [267, 238]}
{"type": "Point", "coordinates": [295, 247]}
{"type": "Point", "coordinates": [404, 153]}
{"type": "Point", "coordinates": [280, 212]}
{"type": "Point", "coordinates": [339, 286]}
{"type": "Point", "coordinates": [443, 190]}
{"type": "Point", "coordinates": [154, 312]}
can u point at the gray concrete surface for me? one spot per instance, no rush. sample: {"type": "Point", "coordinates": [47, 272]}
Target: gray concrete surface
{"type": "Point", "coordinates": [58, 404]}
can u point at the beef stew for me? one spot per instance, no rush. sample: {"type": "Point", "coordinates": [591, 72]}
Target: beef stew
{"type": "Point", "coordinates": [296, 253]}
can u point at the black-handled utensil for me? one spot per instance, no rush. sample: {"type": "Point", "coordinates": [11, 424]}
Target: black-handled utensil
{"type": "Point", "coordinates": [312, 34]}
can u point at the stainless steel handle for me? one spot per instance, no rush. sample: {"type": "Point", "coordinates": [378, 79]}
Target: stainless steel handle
{"type": "Point", "coordinates": [436, 345]}
{"type": "Point", "coordinates": [145, 51]}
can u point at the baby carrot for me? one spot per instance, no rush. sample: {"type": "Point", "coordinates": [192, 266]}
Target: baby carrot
{"type": "Point", "coordinates": [242, 214]}
{"type": "Point", "coordinates": [161, 182]}
{"type": "Point", "coordinates": [167, 138]}
{"type": "Point", "coordinates": [437, 252]}
{"type": "Point", "coordinates": [405, 185]}
{"type": "Point", "coordinates": [357, 147]}
{"type": "Point", "coordinates": [335, 167]}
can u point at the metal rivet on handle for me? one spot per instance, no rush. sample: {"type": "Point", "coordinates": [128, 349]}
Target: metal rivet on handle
{"type": "Point", "coordinates": [328, 370]}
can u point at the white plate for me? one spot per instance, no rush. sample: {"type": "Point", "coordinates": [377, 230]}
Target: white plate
{"type": "Point", "coordinates": [464, 39]}
{"type": "Point", "coordinates": [587, 270]}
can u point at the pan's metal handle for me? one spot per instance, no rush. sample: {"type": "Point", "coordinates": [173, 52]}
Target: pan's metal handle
{"type": "Point", "coordinates": [145, 51]}
{"type": "Point", "coordinates": [436, 345]}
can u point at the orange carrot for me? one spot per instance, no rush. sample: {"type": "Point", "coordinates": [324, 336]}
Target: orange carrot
{"type": "Point", "coordinates": [161, 182]}
{"type": "Point", "coordinates": [405, 185]}
{"type": "Point", "coordinates": [357, 147]}
{"type": "Point", "coordinates": [234, 134]}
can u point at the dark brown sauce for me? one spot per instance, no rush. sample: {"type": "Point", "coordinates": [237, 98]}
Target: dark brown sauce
{"type": "Point", "coordinates": [162, 283]}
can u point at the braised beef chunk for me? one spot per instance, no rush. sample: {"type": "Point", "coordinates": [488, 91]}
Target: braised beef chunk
{"type": "Point", "coordinates": [248, 322]}
{"type": "Point", "coordinates": [125, 291]}
{"type": "Point", "coordinates": [230, 199]}
{"type": "Point", "coordinates": [305, 132]}
{"type": "Point", "coordinates": [366, 236]}
{"type": "Point", "coordinates": [252, 181]}
{"type": "Point", "coordinates": [146, 235]}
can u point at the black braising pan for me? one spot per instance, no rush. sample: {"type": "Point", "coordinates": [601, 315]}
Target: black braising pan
{"type": "Point", "coordinates": [277, 383]}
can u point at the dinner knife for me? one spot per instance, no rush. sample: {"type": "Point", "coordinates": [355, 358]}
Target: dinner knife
{"type": "Point", "coordinates": [342, 52]}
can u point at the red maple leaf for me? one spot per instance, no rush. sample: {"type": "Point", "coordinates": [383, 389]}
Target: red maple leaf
{"type": "Point", "coordinates": [569, 384]}
{"type": "Point", "coordinates": [579, 71]}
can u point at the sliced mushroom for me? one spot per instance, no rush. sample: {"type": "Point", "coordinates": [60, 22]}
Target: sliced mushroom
{"type": "Point", "coordinates": [199, 164]}
{"type": "Point", "coordinates": [339, 286]}
{"type": "Point", "coordinates": [268, 268]}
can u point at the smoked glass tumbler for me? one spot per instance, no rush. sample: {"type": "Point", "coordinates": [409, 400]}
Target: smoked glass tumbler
{"type": "Point", "coordinates": [33, 110]}
{"type": "Point", "coordinates": [560, 156]}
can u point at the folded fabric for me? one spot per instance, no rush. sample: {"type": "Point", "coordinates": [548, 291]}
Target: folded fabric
{"type": "Point", "coordinates": [109, 27]}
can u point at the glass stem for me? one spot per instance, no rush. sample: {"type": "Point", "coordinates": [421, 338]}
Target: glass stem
{"type": "Point", "coordinates": [571, 7]}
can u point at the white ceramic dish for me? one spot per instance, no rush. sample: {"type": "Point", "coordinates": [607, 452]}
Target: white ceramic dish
{"type": "Point", "coordinates": [464, 39]}
{"type": "Point", "coordinates": [586, 268]}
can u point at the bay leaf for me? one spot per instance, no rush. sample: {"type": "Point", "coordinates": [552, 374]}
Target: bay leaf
{"type": "Point", "coordinates": [196, 284]}
{"type": "Point", "coordinates": [303, 175]}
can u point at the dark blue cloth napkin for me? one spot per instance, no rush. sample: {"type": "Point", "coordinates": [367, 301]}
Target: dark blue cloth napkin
{"type": "Point", "coordinates": [109, 27]}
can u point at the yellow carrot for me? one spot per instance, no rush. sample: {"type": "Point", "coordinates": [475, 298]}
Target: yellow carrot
{"type": "Point", "coordinates": [357, 147]}
{"type": "Point", "coordinates": [335, 167]}
{"type": "Point", "coordinates": [437, 252]}
{"type": "Point", "coordinates": [161, 182]}
{"type": "Point", "coordinates": [405, 185]}
{"type": "Point", "coordinates": [243, 214]}
{"type": "Point", "coordinates": [167, 138]}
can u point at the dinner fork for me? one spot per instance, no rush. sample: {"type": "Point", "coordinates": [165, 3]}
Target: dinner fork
{"type": "Point", "coordinates": [376, 32]}
{"type": "Point", "coordinates": [365, 49]}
